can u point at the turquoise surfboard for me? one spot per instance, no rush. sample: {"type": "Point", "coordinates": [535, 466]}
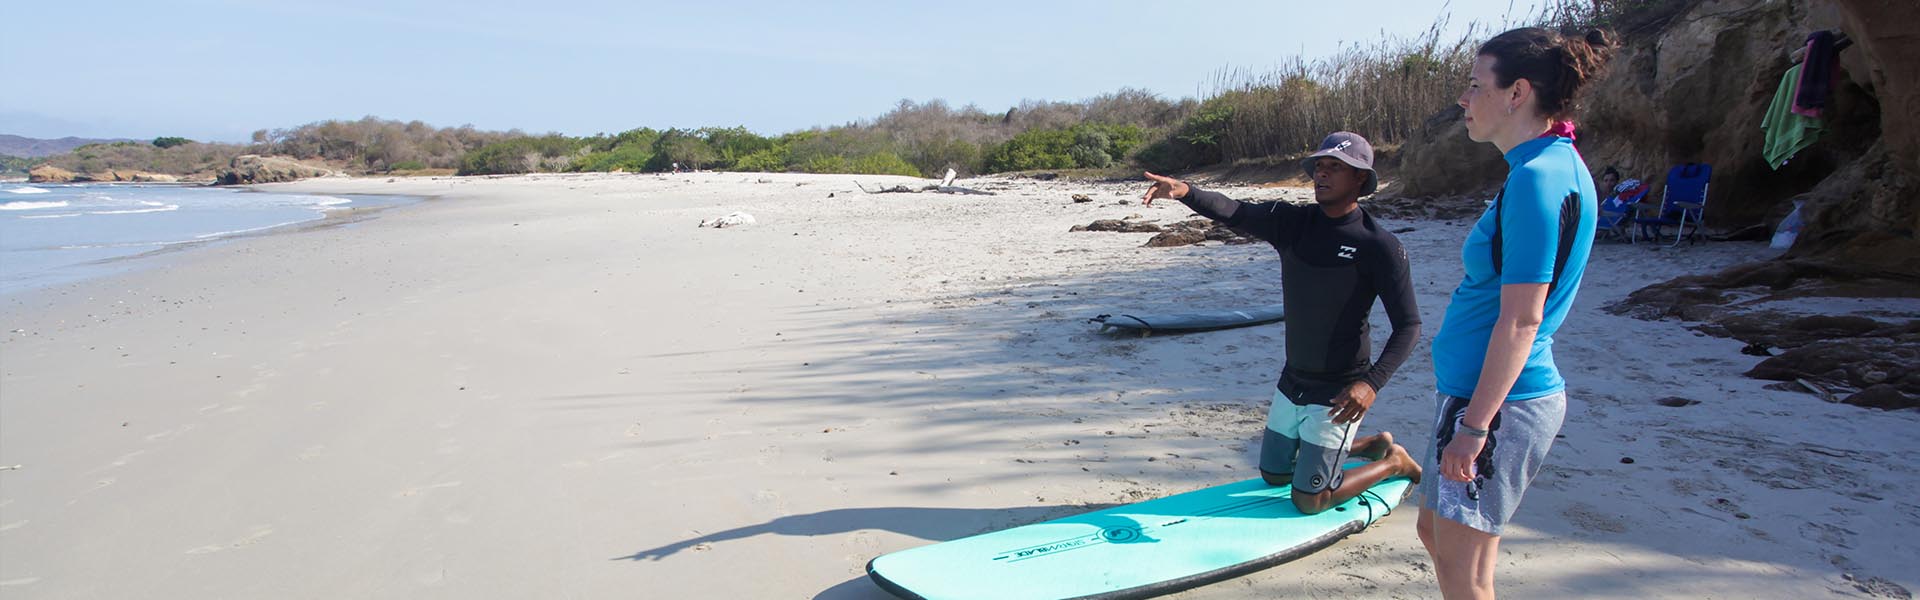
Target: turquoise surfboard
{"type": "Point", "coordinates": [1133, 551]}
{"type": "Point", "coordinates": [1148, 324]}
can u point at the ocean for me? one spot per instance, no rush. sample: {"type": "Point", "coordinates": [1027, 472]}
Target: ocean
{"type": "Point", "coordinates": [60, 233]}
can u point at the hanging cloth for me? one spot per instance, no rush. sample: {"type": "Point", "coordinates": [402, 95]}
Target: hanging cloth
{"type": "Point", "coordinates": [1787, 131]}
{"type": "Point", "coordinates": [1820, 75]}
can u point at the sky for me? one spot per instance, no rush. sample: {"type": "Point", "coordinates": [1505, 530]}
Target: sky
{"type": "Point", "coordinates": [216, 70]}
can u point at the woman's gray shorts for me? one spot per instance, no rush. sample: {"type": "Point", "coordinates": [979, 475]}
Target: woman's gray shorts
{"type": "Point", "coordinates": [1522, 432]}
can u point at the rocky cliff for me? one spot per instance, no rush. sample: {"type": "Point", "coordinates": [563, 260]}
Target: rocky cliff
{"type": "Point", "coordinates": [1692, 83]}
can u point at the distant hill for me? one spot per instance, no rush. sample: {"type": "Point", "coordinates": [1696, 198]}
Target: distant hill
{"type": "Point", "coordinates": [13, 145]}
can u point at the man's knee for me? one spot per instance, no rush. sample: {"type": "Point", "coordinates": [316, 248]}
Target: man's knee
{"type": "Point", "coordinates": [1312, 504]}
{"type": "Point", "coordinates": [1276, 479]}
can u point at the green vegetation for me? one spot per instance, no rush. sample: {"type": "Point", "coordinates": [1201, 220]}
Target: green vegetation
{"type": "Point", "coordinates": [15, 166]}
{"type": "Point", "coordinates": [183, 159]}
{"type": "Point", "coordinates": [547, 153]}
{"type": "Point", "coordinates": [1385, 91]}
{"type": "Point", "coordinates": [1088, 145]}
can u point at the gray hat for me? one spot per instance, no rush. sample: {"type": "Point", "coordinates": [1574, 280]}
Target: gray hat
{"type": "Point", "coordinates": [1352, 149]}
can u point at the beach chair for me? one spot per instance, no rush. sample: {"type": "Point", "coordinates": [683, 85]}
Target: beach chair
{"type": "Point", "coordinates": [1682, 205]}
{"type": "Point", "coordinates": [1618, 210]}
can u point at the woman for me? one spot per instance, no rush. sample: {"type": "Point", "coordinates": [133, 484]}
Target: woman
{"type": "Point", "coordinates": [1501, 399]}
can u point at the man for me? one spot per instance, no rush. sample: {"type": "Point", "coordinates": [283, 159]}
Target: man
{"type": "Point", "coordinates": [1334, 261]}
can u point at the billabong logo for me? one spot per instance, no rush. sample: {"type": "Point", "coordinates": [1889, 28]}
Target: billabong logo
{"type": "Point", "coordinates": [1342, 145]}
{"type": "Point", "coordinates": [1347, 251]}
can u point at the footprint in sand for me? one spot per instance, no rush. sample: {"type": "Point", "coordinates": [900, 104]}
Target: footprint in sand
{"type": "Point", "coordinates": [771, 499]}
{"type": "Point", "coordinates": [415, 491]}
{"type": "Point", "coordinates": [259, 532]}
{"type": "Point", "coordinates": [862, 546]}
{"type": "Point", "coordinates": [118, 462]}
{"type": "Point", "coordinates": [1588, 518]}
{"type": "Point", "coordinates": [1830, 535]}
{"type": "Point", "coordinates": [170, 433]}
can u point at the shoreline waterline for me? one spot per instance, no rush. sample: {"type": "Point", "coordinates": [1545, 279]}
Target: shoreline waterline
{"type": "Point", "coordinates": [54, 234]}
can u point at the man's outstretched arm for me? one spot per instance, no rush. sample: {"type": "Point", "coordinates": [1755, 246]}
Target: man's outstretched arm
{"type": "Point", "coordinates": [1262, 219]}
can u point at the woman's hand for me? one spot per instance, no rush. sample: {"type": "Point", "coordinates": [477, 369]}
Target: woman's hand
{"type": "Point", "coordinates": [1164, 187]}
{"type": "Point", "coordinates": [1456, 461]}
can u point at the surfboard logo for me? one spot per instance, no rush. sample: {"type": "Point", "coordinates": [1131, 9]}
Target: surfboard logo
{"type": "Point", "coordinates": [1121, 535]}
{"type": "Point", "coordinates": [1026, 553]}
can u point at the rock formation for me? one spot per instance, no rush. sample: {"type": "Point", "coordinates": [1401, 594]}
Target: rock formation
{"type": "Point", "coordinates": [1692, 83]}
{"type": "Point", "coordinates": [253, 168]}
{"type": "Point", "coordinates": [49, 174]}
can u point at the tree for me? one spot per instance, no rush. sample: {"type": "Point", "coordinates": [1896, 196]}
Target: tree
{"type": "Point", "coordinates": [690, 151]}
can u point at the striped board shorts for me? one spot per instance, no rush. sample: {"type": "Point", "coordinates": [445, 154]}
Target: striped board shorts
{"type": "Point", "coordinates": [1522, 433]}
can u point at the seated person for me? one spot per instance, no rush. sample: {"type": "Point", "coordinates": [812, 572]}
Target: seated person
{"type": "Point", "coordinates": [1621, 198]}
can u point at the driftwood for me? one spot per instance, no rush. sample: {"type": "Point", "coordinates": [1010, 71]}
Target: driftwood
{"type": "Point", "coordinates": [944, 189]}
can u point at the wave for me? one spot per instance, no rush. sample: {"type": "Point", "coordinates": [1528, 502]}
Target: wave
{"type": "Point", "coordinates": [25, 205]}
{"type": "Point", "coordinates": [53, 216]}
{"type": "Point", "coordinates": [135, 211]}
{"type": "Point", "coordinates": [28, 190]}
{"type": "Point", "coordinates": [248, 230]}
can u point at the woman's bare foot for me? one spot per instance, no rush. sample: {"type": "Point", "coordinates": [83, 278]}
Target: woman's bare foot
{"type": "Point", "coordinates": [1374, 447]}
{"type": "Point", "coordinates": [1403, 463]}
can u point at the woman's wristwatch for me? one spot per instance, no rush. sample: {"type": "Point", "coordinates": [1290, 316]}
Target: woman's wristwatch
{"type": "Point", "coordinates": [1462, 427]}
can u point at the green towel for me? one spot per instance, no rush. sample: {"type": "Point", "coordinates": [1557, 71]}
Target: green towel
{"type": "Point", "coordinates": [1787, 133]}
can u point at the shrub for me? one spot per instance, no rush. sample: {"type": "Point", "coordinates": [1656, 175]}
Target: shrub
{"type": "Point", "coordinates": [770, 160]}
{"type": "Point", "coordinates": [1033, 149]}
{"type": "Point", "coordinates": [1195, 143]}
{"type": "Point", "coordinates": [883, 163]}
{"type": "Point", "coordinates": [169, 142]}
{"type": "Point", "coordinates": [933, 157]}
{"type": "Point", "coordinates": [551, 152]}
{"type": "Point", "coordinates": [729, 145]}
{"type": "Point", "coordinates": [1090, 157]}
{"type": "Point", "coordinates": [831, 163]}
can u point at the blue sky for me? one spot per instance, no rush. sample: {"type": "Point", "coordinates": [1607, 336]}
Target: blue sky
{"type": "Point", "coordinates": [219, 69]}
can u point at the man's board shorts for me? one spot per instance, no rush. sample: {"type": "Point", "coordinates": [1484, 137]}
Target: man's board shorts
{"type": "Point", "coordinates": [1521, 434]}
{"type": "Point", "coordinates": [1304, 441]}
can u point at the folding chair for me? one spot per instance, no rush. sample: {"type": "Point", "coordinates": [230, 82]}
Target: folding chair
{"type": "Point", "coordinates": [1683, 204]}
{"type": "Point", "coordinates": [1617, 211]}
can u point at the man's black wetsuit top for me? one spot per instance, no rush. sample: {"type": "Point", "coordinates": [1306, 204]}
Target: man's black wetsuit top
{"type": "Point", "coordinates": [1331, 269]}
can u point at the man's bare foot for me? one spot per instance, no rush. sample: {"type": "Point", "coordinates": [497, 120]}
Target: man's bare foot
{"type": "Point", "coordinates": [1374, 447]}
{"type": "Point", "coordinates": [1403, 463]}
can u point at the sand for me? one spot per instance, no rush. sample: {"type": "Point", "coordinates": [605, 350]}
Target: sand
{"type": "Point", "coordinates": [559, 387]}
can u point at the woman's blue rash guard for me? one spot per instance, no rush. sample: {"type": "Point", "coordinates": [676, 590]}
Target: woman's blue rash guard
{"type": "Point", "coordinates": [1544, 171]}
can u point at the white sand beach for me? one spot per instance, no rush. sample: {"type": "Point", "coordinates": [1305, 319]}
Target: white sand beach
{"type": "Point", "coordinates": [559, 387]}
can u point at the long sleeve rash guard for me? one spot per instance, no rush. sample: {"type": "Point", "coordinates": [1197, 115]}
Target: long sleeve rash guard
{"type": "Point", "coordinates": [1331, 271]}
